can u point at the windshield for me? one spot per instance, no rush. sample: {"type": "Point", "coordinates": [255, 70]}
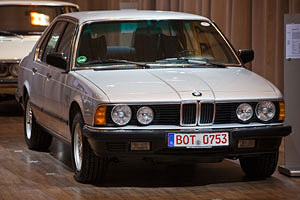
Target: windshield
{"type": "Point", "coordinates": [29, 19]}
{"type": "Point", "coordinates": [152, 41]}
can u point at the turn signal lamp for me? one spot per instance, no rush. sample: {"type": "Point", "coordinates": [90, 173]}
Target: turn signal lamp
{"type": "Point", "coordinates": [100, 116]}
{"type": "Point", "coordinates": [281, 111]}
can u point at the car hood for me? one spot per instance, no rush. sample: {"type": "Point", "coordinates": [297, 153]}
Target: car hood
{"type": "Point", "coordinates": [160, 85]}
{"type": "Point", "coordinates": [15, 48]}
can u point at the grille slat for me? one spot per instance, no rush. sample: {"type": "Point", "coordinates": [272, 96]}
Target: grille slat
{"type": "Point", "coordinates": [188, 114]}
{"type": "Point", "coordinates": [206, 113]}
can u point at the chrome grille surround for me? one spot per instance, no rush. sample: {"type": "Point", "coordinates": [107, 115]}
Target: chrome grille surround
{"type": "Point", "coordinates": [182, 113]}
{"type": "Point", "coordinates": [210, 121]}
{"type": "Point", "coordinates": [197, 113]}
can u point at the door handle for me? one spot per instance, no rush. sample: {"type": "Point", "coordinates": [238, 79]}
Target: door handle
{"type": "Point", "coordinates": [34, 70]}
{"type": "Point", "coordinates": [49, 76]}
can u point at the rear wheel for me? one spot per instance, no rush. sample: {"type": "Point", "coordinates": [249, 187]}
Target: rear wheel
{"type": "Point", "coordinates": [35, 138]}
{"type": "Point", "coordinates": [88, 167]}
{"type": "Point", "coordinates": [260, 167]}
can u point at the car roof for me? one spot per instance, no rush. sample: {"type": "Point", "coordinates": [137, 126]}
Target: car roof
{"type": "Point", "coordinates": [39, 3]}
{"type": "Point", "coordinates": [116, 15]}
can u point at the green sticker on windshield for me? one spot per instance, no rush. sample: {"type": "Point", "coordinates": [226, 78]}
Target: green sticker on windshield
{"type": "Point", "coordinates": [81, 59]}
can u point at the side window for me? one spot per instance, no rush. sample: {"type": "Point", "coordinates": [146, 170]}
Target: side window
{"type": "Point", "coordinates": [43, 45]}
{"type": "Point", "coordinates": [53, 39]}
{"type": "Point", "coordinates": [65, 43]}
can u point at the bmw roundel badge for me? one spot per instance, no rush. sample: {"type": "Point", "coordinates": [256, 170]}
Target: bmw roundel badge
{"type": "Point", "coordinates": [197, 94]}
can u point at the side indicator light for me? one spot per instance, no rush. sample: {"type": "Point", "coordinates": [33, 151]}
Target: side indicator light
{"type": "Point", "coordinates": [281, 111]}
{"type": "Point", "coordinates": [100, 116]}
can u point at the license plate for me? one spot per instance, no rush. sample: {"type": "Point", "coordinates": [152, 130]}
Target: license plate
{"type": "Point", "coordinates": [198, 140]}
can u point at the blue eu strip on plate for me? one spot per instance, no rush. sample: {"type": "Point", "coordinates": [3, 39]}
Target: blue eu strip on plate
{"type": "Point", "coordinates": [171, 140]}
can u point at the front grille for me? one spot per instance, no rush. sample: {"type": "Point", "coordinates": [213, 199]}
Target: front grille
{"type": "Point", "coordinates": [206, 113]}
{"type": "Point", "coordinates": [189, 114]}
{"type": "Point", "coordinates": [165, 114]}
{"type": "Point", "coordinates": [225, 113]}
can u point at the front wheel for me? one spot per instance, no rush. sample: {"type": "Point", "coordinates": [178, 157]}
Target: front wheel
{"type": "Point", "coordinates": [35, 138]}
{"type": "Point", "coordinates": [260, 167]}
{"type": "Point", "coordinates": [88, 167]}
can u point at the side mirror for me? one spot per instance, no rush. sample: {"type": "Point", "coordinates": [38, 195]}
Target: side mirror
{"type": "Point", "coordinates": [57, 60]}
{"type": "Point", "coordinates": [247, 55]}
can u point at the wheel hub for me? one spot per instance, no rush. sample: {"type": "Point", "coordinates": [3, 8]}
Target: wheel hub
{"type": "Point", "coordinates": [28, 120]}
{"type": "Point", "coordinates": [78, 147]}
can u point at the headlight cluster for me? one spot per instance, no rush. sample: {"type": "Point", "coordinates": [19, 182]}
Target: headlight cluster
{"type": "Point", "coordinates": [14, 70]}
{"type": "Point", "coordinates": [145, 115]}
{"type": "Point", "coordinates": [244, 112]}
{"type": "Point", "coordinates": [122, 114]}
{"type": "Point", "coordinates": [264, 111]}
{"type": "Point", "coordinates": [7, 69]}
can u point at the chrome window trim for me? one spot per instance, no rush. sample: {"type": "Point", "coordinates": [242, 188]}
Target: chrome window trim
{"type": "Point", "coordinates": [227, 42]}
{"type": "Point", "coordinates": [75, 47]}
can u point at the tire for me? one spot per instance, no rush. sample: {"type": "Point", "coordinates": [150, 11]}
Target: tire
{"type": "Point", "coordinates": [259, 167]}
{"type": "Point", "coordinates": [88, 167]}
{"type": "Point", "coordinates": [35, 138]}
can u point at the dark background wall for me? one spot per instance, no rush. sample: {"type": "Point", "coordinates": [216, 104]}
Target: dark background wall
{"type": "Point", "coordinates": [248, 24]}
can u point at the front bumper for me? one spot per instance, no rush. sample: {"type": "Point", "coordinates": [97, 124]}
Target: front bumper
{"type": "Point", "coordinates": [116, 143]}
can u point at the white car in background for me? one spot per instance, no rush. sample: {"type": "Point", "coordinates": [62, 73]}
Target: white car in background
{"type": "Point", "coordinates": [21, 24]}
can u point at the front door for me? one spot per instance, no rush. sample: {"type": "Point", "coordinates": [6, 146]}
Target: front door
{"type": "Point", "coordinates": [55, 109]}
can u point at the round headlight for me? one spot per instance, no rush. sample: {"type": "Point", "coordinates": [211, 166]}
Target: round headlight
{"type": "Point", "coordinates": [3, 69]}
{"type": "Point", "coordinates": [14, 70]}
{"type": "Point", "coordinates": [265, 110]}
{"type": "Point", "coordinates": [121, 114]}
{"type": "Point", "coordinates": [244, 112]}
{"type": "Point", "coordinates": [145, 115]}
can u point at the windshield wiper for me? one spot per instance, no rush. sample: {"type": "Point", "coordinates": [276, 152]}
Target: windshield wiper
{"type": "Point", "coordinates": [7, 33]}
{"type": "Point", "coordinates": [205, 62]}
{"type": "Point", "coordinates": [199, 61]}
{"type": "Point", "coordinates": [105, 61]}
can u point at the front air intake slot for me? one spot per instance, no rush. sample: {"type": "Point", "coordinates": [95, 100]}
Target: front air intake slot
{"type": "Point", "coordinates": [189, 114]}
